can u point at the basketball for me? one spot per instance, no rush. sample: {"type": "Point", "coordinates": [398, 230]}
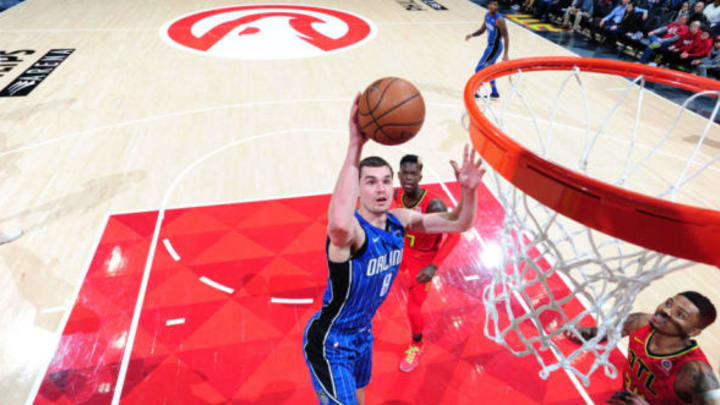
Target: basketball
{"type": "Point", "coordinates": [391, 111]}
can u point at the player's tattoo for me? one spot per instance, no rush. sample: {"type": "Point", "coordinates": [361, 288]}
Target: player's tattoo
{"type": "Point", "coordinates": [703, 380]}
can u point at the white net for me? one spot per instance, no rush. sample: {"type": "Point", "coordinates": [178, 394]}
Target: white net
{"type": "Point", "coordinates": [557, 274]}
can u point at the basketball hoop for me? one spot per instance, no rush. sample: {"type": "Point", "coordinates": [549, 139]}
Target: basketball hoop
{"type": "Point", "coordinates": [605, 239]}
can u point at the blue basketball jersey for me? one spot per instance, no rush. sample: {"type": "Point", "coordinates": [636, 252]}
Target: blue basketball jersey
{"type": "Point", "coordinates": [494, 37]}
{"type": "Point", "coordinates": [338, 339]}
{"type": "Point", "coordinates": [357, 287]}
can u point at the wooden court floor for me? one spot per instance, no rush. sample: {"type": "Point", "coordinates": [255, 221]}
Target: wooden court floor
{"type": "Point", "coordinates": [125, 114]}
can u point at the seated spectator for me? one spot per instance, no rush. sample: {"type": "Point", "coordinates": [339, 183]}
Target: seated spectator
{"type": "Point", "coordinates": [712, 13]}
{"type": "Point", "coordinates": [579, 9]}
{"type": "Point", "coordinates": [683, 44]}
{"type": "Point", "coordinates": [601, 8]}
{"type": "Point", "coordinates": [665, 12]}
{"type": "Point", "coordinates": [545, 7]}
{"type": "Point", "coordinates": [697, 14]}
{"type": "Point", "coordinates": [632, 23]}
{"type": "Point", "coordinates": [622, 19]}
{"type": "Point", "coordinates": [698, 49]}
{"type": "Point", "coordinates": [683, 10]}
{"type": "Point", "coordinates": [528, 5]}
{"type": "Point", "coordinates": [710, 62]}
{"type": "Point", "coordinates": [673, 33]}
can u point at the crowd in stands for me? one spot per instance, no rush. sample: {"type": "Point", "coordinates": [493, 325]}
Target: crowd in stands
{"type": "Point", "coordinates": [679, 34]}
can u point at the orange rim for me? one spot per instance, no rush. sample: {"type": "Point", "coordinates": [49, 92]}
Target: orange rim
{"type": "Point", "coordinates": [676, 229]}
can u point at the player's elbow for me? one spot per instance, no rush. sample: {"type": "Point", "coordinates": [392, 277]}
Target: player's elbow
{"type": "Point", "coordinates": [339, 233]}
{"type": "Point", "coordinates": [467, 224]}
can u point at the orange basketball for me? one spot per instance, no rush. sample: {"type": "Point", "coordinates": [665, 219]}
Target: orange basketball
{"type": "Point", "coordinates": [391, 111]}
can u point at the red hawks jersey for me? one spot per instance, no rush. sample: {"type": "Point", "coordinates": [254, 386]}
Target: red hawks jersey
{"type": "Point", "coordinates": [419, 242]}
{"type": "Point", "coordinates": [653, 375]}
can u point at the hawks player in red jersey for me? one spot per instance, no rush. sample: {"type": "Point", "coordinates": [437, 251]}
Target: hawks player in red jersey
{"type": "Point", "coordinates": [422, 253]}
{"type": "Point", "coordinates": [665, 366]}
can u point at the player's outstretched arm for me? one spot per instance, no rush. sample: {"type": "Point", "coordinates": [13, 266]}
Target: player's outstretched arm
{"type": "Point", "coordinates": [343, 228]}
{"type": "Point", "coordinates": [633, 322]}
{"type": "Point", "coordinates": [469, 175]}
{"type": "Point", "coordinates": [505, 36]}
{"type": "Point", "coordinates": [697, 382]}
{"type": "Point", "coordinates": [476, 33]}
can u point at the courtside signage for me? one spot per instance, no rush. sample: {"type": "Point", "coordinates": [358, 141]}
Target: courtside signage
{"type": "Point", "coordinates": [36, 73]}
{"type": "Point", "coordinates": [268, 31]}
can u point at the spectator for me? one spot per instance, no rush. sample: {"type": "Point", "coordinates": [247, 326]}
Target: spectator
{"type": "Point", "coordinates": [710, 62]}
{"type": "Point", "coordinates": [684, 43]}
{"type": "Point", "coordinates": [683, 10]}
{"type": "Point", "coordinates": [666, 12]}
{"type": "Point", "coordinates": [601, 8]}
{"type": "Point", "coordinates": [697, 49]}
{"type": "Point", "coordinates": [697, 14]}
{"type": "Point", "coordinates": [545, 7]}
{"type": "Point", "coordinates": [712, 13]}
{"type": "Point", "coordinates": [632, 22]}
{"type": "Point", "coordinates": [673, 32]}
{"type": "Point", "coordinates": [623, 17]}
{"type": "Point", "coordinates": [579, 9]}
{"type": "Point", "coordinates": [528, 5]}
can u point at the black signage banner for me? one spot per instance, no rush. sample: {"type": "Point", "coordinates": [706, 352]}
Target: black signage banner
{"type": "Point", "coordinates": [36, 73]}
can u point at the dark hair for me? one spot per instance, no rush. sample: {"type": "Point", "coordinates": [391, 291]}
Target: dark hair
{"type": "Point", "coordinates": [704, 306]}
{"type": "Point", "coordinates": [374, 161]}
{"type": "Point", "coordinates": [411, 159]}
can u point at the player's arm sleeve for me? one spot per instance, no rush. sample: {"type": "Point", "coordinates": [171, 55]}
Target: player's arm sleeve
{"type": "Point", "coordinates": [446, 247]}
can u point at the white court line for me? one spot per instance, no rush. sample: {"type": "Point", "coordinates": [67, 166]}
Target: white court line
{"type": "Point", "coordinates": [172, 322]}
{"type": "Point", "coordinates": [168, 115]}
{"type": "Point", "coordinates": [171, 250]}
{"type": "Point", "coordinates": [295, 101]}
{"type": "Point", "coordinates": [66, 316]}
{"type": "Point", "coordinates": [51, 310]}
{"type": "Point", "coordinates": [298, 301]}
{"type": "Point", "coordinates": [215, 284]}
{"type": "Point", "coordinates": [156, 234]}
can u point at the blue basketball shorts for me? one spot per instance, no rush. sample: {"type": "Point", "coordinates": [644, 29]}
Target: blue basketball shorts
{"type": "Point", "coordinates": [489, 56]}
{"type": "Point", "coordinates": [339, 363]}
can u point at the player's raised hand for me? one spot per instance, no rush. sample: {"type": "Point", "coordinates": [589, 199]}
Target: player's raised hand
{"type": "Point", "coordinates": [470, 173]}
{"type": "Point", "coordinates": [468, 36]}
{"type": "Point", "coordinates": [356, 134]}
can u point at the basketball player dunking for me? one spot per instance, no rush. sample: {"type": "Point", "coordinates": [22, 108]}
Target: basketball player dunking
{"type": "Point", "coordinates": [497, 35]}
{"type": "Point", "coordinates": [364, 250]}
{"type": "Point", "coordinates": [665, 366]}
{"type": "Point", "coordinates": [422, 254]}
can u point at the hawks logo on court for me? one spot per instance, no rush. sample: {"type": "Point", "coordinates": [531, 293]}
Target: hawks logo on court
{"type": "Point", "coordinates": [268, 31]}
